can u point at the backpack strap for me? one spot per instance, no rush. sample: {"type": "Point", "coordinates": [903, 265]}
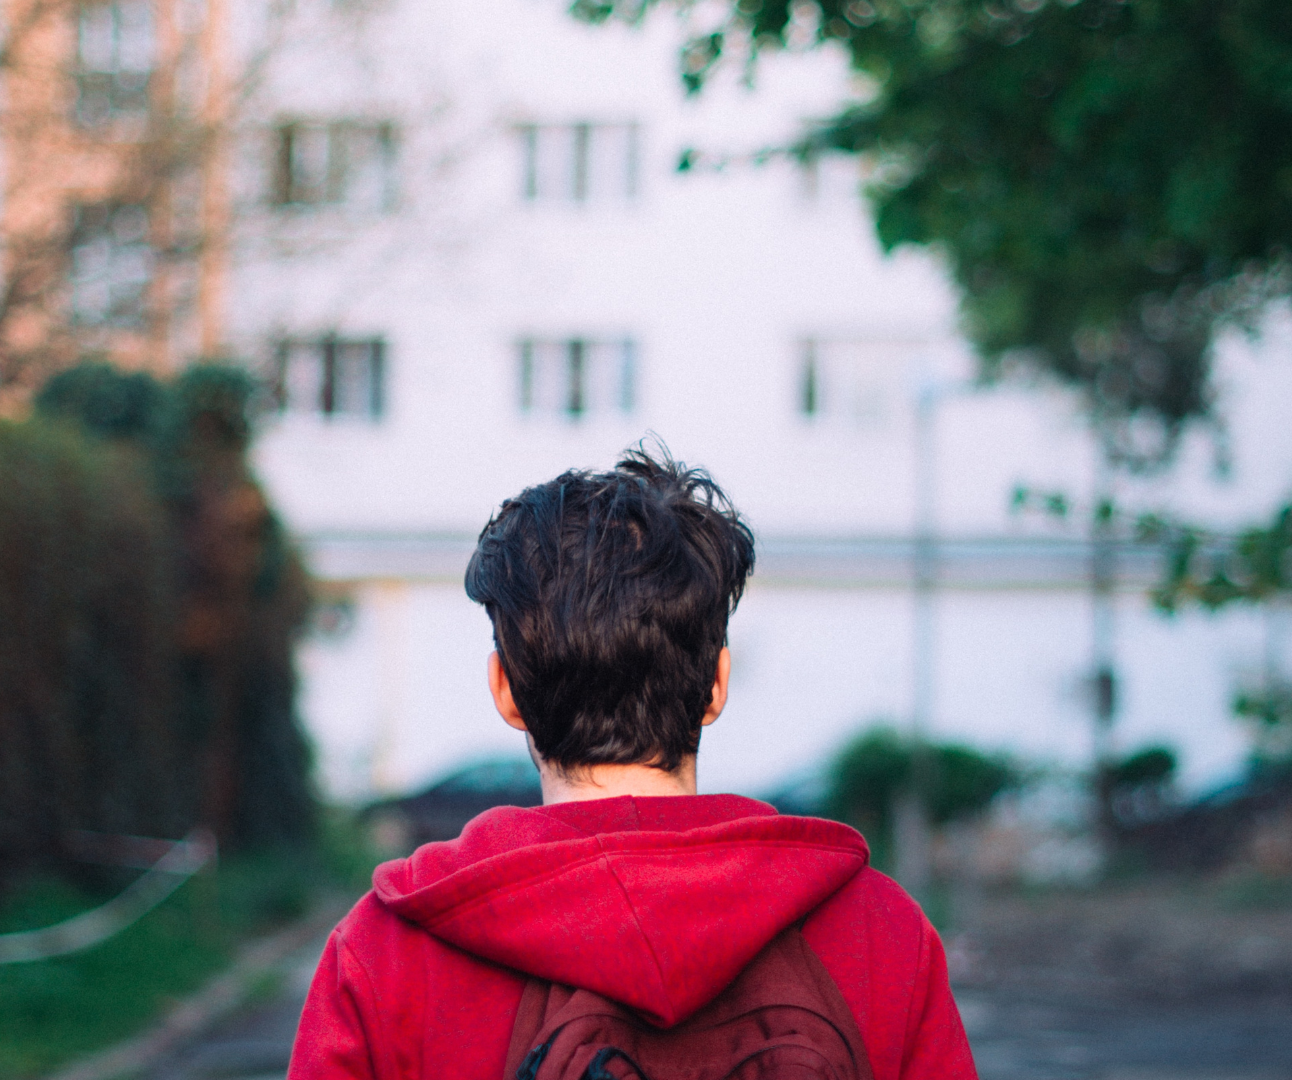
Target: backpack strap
{"type": "Point", "coordinates": [539, 1003]}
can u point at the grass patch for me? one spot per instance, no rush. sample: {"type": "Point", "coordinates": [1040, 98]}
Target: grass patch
{"type": "Point", "coordinates": [56, 1010]}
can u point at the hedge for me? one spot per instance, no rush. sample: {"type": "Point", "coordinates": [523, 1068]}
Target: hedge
{"type": "Point", "coordinates": [149, 603]}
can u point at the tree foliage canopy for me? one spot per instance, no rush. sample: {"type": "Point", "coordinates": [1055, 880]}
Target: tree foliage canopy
{"type": "Point", "coordinates": [1213, 569]}
{"type": "Point", "coordinates": [1109, 180]}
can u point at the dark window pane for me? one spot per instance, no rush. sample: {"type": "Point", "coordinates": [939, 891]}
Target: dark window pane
{"type": "Point", "coordinates": [808, 402]}
{"type": "Point", "coordinates": [111, 266]}
{"type": "Point", "coordinates": [115, 57]}
{"type": "Point", "coordinates": [331, 376]}
{"type": "Point", "coordinates": [328, 403]}
{"type": "Point", "coordinates": [627, 376]}
{"type": "Point", "coordinates": [377, 380]}
{"type": "Point", "coordinates": [576, 401]}
{"type": "Point", "coordinates": [526, 375]}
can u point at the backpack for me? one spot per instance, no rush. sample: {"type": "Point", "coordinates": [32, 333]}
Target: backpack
{"type": "Point", "coordinates": [783, 1018]}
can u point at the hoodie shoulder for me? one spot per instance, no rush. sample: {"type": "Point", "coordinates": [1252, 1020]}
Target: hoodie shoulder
{"type": "Point", "coordinates": [415, 998]}
{"type": "Point", "coordinates": [889, 964]}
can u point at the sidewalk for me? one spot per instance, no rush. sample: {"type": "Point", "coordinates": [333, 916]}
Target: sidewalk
{"type": "Point", "coordinates": [1166, 981]}
{"type": "Point", "coordinates": [255, 1041]}
{"type": "Point", "coordinates": [1035, 1034]}
{"type": "Point", "coordinates": [1030, 1037]}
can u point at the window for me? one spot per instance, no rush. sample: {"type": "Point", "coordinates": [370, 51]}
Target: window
{"type": "Point", "coordinates": [111, 266]}
{"type": "Point", "coordinates": [579, 163]}
{"type": "Point", "coordinates": [859, 383]}
{"type": "Point", "coordinates": [339, 163]}
{"type": "Point", "coordinates": [332, 376]}
{"type": "Point", "coordinates": [115, 56]}
{"type": "Point", "coordinates": [577, 377]}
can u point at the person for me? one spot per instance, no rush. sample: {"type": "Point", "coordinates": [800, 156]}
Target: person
{"type": "Point", "coordinates": [609, 595]}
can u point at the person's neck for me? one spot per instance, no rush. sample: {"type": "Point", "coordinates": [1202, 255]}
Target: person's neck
{"type": "Point", "coordinates": [611, 781]}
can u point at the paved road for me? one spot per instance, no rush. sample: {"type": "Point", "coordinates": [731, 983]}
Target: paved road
{"type": "Point", "coordinates": [1014, 1037]}
{"type": "Point", "coordinates": [254, 1043]}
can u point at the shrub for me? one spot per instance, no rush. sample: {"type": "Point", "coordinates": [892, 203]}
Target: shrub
{"type": "Point", "coordinates": [86, 694]}
{"type": "Point", "coordinates": [151, 602]}
{"type": "Point", "coordinates": [872, 771]}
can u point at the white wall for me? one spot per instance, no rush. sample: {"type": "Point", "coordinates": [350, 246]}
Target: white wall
{"type": "Point", "coordinates": [403, 698]}
{"type": "Point", "coordinates": [718, 276]}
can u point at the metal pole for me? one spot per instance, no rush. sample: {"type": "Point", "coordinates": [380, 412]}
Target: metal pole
{"type": "Point", "coordinates": [1104, 682]}
{"type": "Point", "coordinates": [925, 559]}
{"type": "Point", "coordinates": [910, 817]}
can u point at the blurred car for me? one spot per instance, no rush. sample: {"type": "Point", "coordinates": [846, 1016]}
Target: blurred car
{"type": "Point", "coordinates": [397, 826]}
{"type": "Point", "coordinates": [803, 795]}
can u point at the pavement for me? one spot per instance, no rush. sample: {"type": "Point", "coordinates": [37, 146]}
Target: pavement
{"type": "Point", "coordinates": [255, 1041]}
{"type": "Point", "coordinates": [1158, 981]}
{"type": "Point", "coordinates": [1128, 986]}
{"type": "Point", "coordinates": [1014, 1036]}
{"type": "Point", "coordinates": [1058, 1039]}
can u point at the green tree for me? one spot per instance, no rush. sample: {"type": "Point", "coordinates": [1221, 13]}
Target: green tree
{"type": "Point", "coordinates": [1213, 570]}
{"type": "Point", "coordinates": [1110, 181]}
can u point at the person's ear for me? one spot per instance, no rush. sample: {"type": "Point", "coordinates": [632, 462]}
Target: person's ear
{"type": "Point", "coordinates": [718, 699]}
{"type": "Point", "coordinates": [500, 687]}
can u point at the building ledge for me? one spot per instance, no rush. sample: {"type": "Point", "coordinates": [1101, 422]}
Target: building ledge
{"type": "Point", "coordinates": [891, 562]}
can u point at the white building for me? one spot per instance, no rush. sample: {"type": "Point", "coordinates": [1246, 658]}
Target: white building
{"type": "Point", "coordinates": [467, 250]}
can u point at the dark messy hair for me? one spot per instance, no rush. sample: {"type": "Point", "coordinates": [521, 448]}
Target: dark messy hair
{"type": "Point", "coordinates": [609, 595]}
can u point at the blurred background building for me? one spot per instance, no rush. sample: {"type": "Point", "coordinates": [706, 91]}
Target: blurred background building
{"type": "Point", "coordinates": [114, 210]}
{"type": "Point", "coordinates": [462, 254]}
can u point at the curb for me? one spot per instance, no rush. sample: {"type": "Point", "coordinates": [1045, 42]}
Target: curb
{"type": "Point", "coordinates": [194, 1015]}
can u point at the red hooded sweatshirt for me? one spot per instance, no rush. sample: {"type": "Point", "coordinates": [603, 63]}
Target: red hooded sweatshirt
{"type": "Point", "coordinates": [655, 902]}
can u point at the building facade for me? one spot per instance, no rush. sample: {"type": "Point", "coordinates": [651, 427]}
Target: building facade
{"type": "Point", "coordinates": [114, 210]}
{"type": "Point", "coordinates": [459, 247]}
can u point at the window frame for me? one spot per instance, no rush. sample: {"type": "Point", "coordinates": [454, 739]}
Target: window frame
{"type": "Point", "coordinates": [578, 189]}
{"type": "Point", "coordinates": [853, 382]}
{"type": "Point", "coordinates": [287, 188]}
{"type": "Point", "coordinates": [325, 351]}
{"type": "Point", "coordinates": [137, 312]}
{"type": "Point", "coordinates": [573, 384]}
{"type": "Point", "coordinates": [123, 104]}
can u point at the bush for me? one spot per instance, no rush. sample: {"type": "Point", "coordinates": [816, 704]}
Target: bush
{"type": "Point", "coordinates": [151, 602]}
{"type": "Point", "coordinates": [1151, 766]}
{"type": "Point", "coordinates": [86, 694]}
{"type": "Point", "coordinates": [1139, 787]}
{"type": "Point", "coordinates": [870, 773]}
{"type": "Point", "coordinates": [68, 1006]}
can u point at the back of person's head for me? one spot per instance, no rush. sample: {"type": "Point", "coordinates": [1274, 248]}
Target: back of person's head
{"type": "Point", "coordinates": [609, 595]}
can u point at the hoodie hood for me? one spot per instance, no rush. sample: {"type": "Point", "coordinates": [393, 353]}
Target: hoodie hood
{"type": "Point", "coordinates": [657, 903]}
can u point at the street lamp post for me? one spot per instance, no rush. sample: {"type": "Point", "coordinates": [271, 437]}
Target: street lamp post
{"type": "Point", "coordinates": [911, 833]}
{"type": "Point", "coordinates": [1103, 678]}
